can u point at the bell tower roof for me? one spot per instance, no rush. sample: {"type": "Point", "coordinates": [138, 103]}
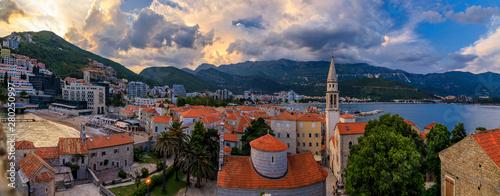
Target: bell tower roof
{"type": "Point", "coordinates": [332, 74]}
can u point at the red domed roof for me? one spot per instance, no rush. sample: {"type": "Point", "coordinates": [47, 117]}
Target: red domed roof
{"type": "Point", "coordinates": [227, 149]}
{"type": "Point", "coordinates": [268, 143]}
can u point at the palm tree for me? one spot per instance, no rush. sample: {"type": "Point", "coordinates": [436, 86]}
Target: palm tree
{"type": "Point", "coordinates": [164, 145]}
{"type": "Point", "coordinates": [177, 131]}
{"type": "Point", "coordinates": [201, 165]}
{"type": "Point", "coordinates": [187, 155]}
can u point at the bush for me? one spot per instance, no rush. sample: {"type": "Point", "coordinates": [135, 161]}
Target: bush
{"type": "Point", "coordinates": [155, 181]}
{"type": "Point", "coordinates": [137, 154]}
{"type": "Point", "coordinates": [159, 165]}
{"type": "Point", "coordinates": [145, 172]}
{"type": "Point", "coordinates": [106, 162]}
{"type": "Point", "coordinates": [122, 174]}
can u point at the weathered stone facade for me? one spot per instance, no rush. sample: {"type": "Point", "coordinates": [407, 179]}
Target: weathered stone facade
{"type": "Point", "coordinates": [341, 152]}
{"type": "Point", "coordinates": [80, 160]}
{"type": "Point", "coordinates": [117, 156]}
{"type": "Point", "coordinates": [269, 164]}
{"type": "Point", "coordinates": [471, 170]}
{"type": "Point", "coordinates": [20, 154]}
{"type": "Point", "coordinates": [286, 133]}
{"type": "Point", "coordinates": [318, 188]}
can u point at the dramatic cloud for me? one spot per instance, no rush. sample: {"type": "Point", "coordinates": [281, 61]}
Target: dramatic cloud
{"type": "Point", "coordinates": [251, 22]}
{"type": "Point", "coordinates": [473, 14]}
{"type": "Point", "coordinates": [8, 9]}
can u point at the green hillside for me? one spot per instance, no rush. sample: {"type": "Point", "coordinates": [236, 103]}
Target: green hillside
{"type": "Point", "coordinates": [380, 89]}
{"type": "Point", "coordinates": [64, 59]}
{"type": "Point", "coordinates": [171, 75]}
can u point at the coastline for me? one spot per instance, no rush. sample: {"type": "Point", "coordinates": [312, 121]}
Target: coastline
{"type": "Point", "coordinates": [73, 122]}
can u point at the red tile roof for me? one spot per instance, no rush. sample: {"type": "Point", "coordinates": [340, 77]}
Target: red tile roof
{"type": "Point", "coordinates": [228, 127]}
{"type": "Point", "coordinates": [32, 163]}
{"type": "Point", "coordinates": [410, 123]}
{"type": "Point", "coordinates": [162, 119]}
{"type": "Point", "coordinates": [195, 113]}
{"type": "Point", "coordinates": [347, 116]}
{"type": "Point", "coordinates": [72, 146]}
{"type": "Point", "coordinates": [268, 143]}
{"type": "Point", "coordinates": [148, 110]}
{"type": "Point", "coordinates": [227, 149]}
{"type": "Point", "coordinates": [103, 141]}
{"type": "Point", "coordinates": [232, 117]}
{"type": "Point", "coordinates": [489, 140]}
{"type": "Point", "coordinates": [303, 170]}
{"type": "Point", "coordinates": [284, 116]}
{"type": "Point", "coordinates": [132, 107]}
{"type": "Point", "coordinates": [430, 126]}
{"type": "Point", "coordinates": [24, 145]}
{"type": "Point", "coordinates": [244, 122]}
{"type": "Point", "coordinates": [423, 134]}
{"type": "Point", "coordinates": [232, 137]}
{"type": "Point", "coordinates": [128, 111]}
{"type": "Point", "coordinates": [44, 177]}
{"type": "Point", "coordinates": [309, 117]}
{"type": "Point", "coordinates": [47, 152]}
{"type": "Point", "coordinates": [323, 147]}
{"type": "Point", "coordinates": [352, 128]}
{"type": "Point", "coordinates": [333, 140]}
{"type": "Point", "coordinates": [210, 119]}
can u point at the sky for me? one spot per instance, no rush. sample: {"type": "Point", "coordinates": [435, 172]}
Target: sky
{"type": "Point", "coordinates": [424, 36]}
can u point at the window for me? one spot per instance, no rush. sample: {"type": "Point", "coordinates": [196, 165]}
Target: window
{"type": "Point", "coordinates": [272, 159]}
{"type": "Point", "coordinates": [310, 144]}
{"type": "Point", "coordinates": [298, 143]}
{"type": "Point", "coordinates": [298, 134]}
{"type": "Point", "coordinates": [316, 135]}
{"type": "Point", "coordinates": [450, 186]}
{"type": "Point", "coordinates": [278, 124]}
{"type": "Point", "coordinates": [24, 154]}
{"type": "Point", "coordinates": [310, 135]}
{"type": "Point", "coordinates": [156, 129]}
{"type": "Point", "coordinates": [300, 125]}
{"type": "Point", "coordinates": [287, 135]}
{"type": "Point", "coordinates": [313, 125]}
{"type": "Point", "coordinates": [304, 144]}
{"type": "Point", "coordinates": [64, 161]}
{"type": "Point", "coordinates": [100, 163]}
{"type": "Point", "coordinates": [350, 144]}
{"type": "Point", "coordinates": [316, 152]}
{"type": "Point", "coordinates": [83, 160]}
{"type": "Point", "coordinates": [128, 148]}
{"type": "Point", "coordinates": [116, 151]}
{"type": "Point", "coordinates": [103, 153]}
{"type": "Point", "coordinates": [317, 145]}
{"type": "Point", "coordinates": [93, 155]}
{"type": "Point", "coordinates": [287, 125]}
{"type": "Point", "coordinates": [112, 163]}
{"type": "Point", "coordinates": [303, 135]}
{"type": "Point", "coordinates": [278, 135]}
{"type": "Point", "coordinates": [288, 144]}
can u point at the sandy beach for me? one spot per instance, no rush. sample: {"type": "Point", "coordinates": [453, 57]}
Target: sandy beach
{"type": "Point", "coordinates": [73, 122]}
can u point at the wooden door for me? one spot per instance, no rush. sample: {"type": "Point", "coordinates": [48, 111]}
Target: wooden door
{"type": "Point", "coordinates": [450, 187]}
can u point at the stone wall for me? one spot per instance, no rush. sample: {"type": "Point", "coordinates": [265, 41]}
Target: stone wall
{"type": "Point", "coordinates": [20, 154]}
{"type": "Point", "coordinates": [124, 157]}
{"type": "Point", "coordinates": [43, 189]}
{"type": "Point", "coordinates": [262, 162]}
{"type": "Point", "coordinates": [472, 170]}
{"type": "Point", "coordinates": [291, 130]}
{"type": "Point", "coordinates": [318, 188]}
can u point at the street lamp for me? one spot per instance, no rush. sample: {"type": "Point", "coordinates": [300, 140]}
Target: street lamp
{"type": "Point", "coordinates": [148, 181]}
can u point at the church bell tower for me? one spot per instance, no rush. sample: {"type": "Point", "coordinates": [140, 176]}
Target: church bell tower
{"type": "Point", "coordinates": [332, 104]}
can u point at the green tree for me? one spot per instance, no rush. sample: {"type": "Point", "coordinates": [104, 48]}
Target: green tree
{"type": "Point", "coordinates": [211, 142]}
{"type": "Point", "coordinates": [187, 155]}
{"type": "Point", "coordinates": [202, 166]}
{"type": "Point", "coordinates": [23, 93]}
{"type": "Point", "coordinates": [137, 154]}
{"type": "Point", "coordinates": [257, 129]}
{"type": "Point", "coordinates": [177, 131]}
{"type": "Point", "coordinates": [180, 102]}
{"type": "Point", "coordinates": [164, 145]}
{"type": "Point", "coordinates": [5, 78]}
{"type": "Point", "coordinates": [198, 134]}
{"type": "Point", "coordinates": [438, 139]}
{"type": "Point", "coordinates": [384, 162]}
{"type": "Point", "coordinates": [458, 133]}
{"type": "Point", "coordinates": [117, 100]}
{"type": "Point", "coordinates": [236, 151]}
{"type": "Point", "coordinates": [480, 128]}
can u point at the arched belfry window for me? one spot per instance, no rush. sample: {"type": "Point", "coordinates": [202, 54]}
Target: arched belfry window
{"type": "Point", "coordinates": [331, 100]}
{"type": "Point", "coordinates": [335, 101]}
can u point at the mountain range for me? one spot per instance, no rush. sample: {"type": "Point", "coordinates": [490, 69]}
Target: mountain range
{"type": "Point", "coordinates": [308, 78]}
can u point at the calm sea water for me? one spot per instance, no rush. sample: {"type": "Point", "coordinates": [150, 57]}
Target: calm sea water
{"type": "Point", "coordinates": [423, 114]}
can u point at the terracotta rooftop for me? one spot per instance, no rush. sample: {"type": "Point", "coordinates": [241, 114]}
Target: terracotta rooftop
{"type": "Point", "coordinates": [244, 122]}
{"type": "Point", "coordinates": [128, 111]}
{"type": "Point", "coordinates": [44, 177]}
{"type": "Point", "coordinates": [47, 152]}
{"type": "Point", "coordinates": [227, 149]}
{"type": "Point", "coordinates": [148, 110]}
{"type": "Point", "coordinates": [423, 134]}
{"type": "Point", "coordinates": [347, 116]}
{"type": "Point", "coordinates": [108, 140]}
{"type": "Point", "coordinates": [195, 113]}
{"type": "Point", "coordinates": [232, 117]}
{"type": "Point", "coordinates": [268, 143]}
{"type": "Point", "coordinates": [303, 170]}
{"type": "Point", "coordinates": [210, 119]}
{"type": "Point", "coordinates": [31, 163]}
{"type": "Point", "coordinates": [410, 123]}
{"type": "Point", "coordinates": [309, 117]}
{"type": "Point", "coordinates": [228, 127]}
{"type": "Point", "coordinates": [72, 146]}
{"type": "Point", "coordinates": [284, 116]}
{"type": "Point", "coordinates": [232, 137]}
{"type": "Point", "coordinates": [24, 145]}
{"type": "Point", "coordinates": [352, 128]}
{"type": "Point", "coordinates": [430, 126]}
{"type": "Point", "coordinates": [489, 140]}
{"type": "Point", "coordinates": [162, 119]}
